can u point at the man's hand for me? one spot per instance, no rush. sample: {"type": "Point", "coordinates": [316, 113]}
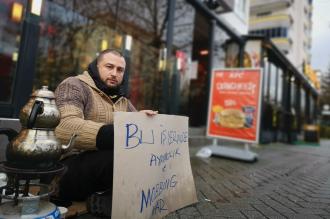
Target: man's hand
{"type": "Point", "coordinates": [149, 112]}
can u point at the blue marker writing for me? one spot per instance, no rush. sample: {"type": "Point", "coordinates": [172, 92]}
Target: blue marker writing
{"type": "Point", "coordinates": [147, 198]}
{"type": "Point", "coordinates": [157, 160]}
{"type": "Point", "coordinates": [159, 207]}
{"type": "Point", "coordinates": [135, 137]}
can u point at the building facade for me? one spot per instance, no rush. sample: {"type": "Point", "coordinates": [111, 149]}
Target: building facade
{"type": "Point", "coordinates": [171, 48]}
{"type": "Point", "coordinates": [290, 91]}
{"type": "Point", "coordinates": [162, 42]}
{"type": "Point", "coordinates": [287, 23]}
{"type": "Point", "coordinates": [289, 98]}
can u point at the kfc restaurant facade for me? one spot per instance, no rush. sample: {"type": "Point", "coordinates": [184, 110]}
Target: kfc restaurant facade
{"type": "Point", "coordinates": [170, 46]}
{"type": "Point", "coordinates": [289, 96]}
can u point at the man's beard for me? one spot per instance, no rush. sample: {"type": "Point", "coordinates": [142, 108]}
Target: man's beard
{"type": "Point", "coordinates": [110, 91]}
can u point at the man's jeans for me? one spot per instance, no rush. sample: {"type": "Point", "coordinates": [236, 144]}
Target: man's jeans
{"type": "Point", "coordinates": [88, 172]}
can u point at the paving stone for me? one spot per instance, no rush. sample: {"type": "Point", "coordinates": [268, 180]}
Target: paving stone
{"type": "Point", "coordinates": [310, 211]}
{"type": "Point", "coordinates": [313, 205]}
{"type": "Point", "coordinates": [279, 207]}
{"type": "Point", "coordinates": [319, 200]}
{"type": "Point", "coordinates": [232, 189]}
{"type": "Point", "coordinates": [205, 208]}
{"type": "Point", "coordinates": [173, 216]}
{"type": "Point", "coordinates": [294, 192]}
{"type": "Point", "coordinates": [250, 200]}
{"type": "Point", "coordinates": [210, 192]}
{"type": "Point", "coordinates": [286, 182]}
{"type": "Point", "coordinates": [243, 186]}
{"type": "Point", "coordinates": [224, 195]}
{"type": "Point", "coordinates": [319, 196]}
{"type": "Point", "coordinates": [285, 201]}
{"type": "Point", "coordinates": [249, 179]}
{"type": "Point", "coordinates": [252, 214]}
{"type": "Point", "coordinates": [268, 211]}
{"type": "Point", "coordinates": [192, 211]}
{"type": "Point", "coordinates": [291, 196]}
{"type": "Point", "coordinates": [234, 206]}
{"type": "Point", "coordinates": [225, 213]}
{"type": "Point", "coordinates": [183, 216]}
{"type": "Point", "coordinates": [303, 216]}
{"type": "Point", "coordinates": [323, 191]}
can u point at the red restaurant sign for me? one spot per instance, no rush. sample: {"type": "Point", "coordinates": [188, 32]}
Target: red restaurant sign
{"type": "Point", "coordinates": [234, 106]}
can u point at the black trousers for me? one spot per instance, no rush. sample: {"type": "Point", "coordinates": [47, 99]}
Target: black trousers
{"type": "Point", "coordinates": [88, 172]}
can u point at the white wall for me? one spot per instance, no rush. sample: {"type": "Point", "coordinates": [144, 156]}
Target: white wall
{"type": "Point", "coordinates": [297, 33]}
{"type": "Point", "coordinates": [238, 20]}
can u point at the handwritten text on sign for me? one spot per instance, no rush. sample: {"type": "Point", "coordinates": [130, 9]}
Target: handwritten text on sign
{"type": "Point", "coordinates": [152, 172]}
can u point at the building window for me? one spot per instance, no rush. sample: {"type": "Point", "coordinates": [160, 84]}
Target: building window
{"type": "Point", "coordinates": [271, 32]}
{"type": "Point", "coordinates": [284, 32]}
{"type": "Point", "coordinates": [264, 14]}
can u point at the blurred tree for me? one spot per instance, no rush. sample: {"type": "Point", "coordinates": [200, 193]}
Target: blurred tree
{"type": "Point", "coordinates": [73, 31]}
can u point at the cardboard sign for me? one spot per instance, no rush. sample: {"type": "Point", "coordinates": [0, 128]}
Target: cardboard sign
{"type": "Point", "coordinates": [152, 174]}
{"type": "Point", "coordinates": [234, 107]}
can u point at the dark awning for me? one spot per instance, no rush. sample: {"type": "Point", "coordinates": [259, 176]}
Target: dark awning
{"type": "Point", "coordinates": [278, 58]}
{"type": "Point", "coordinates": [205, 11]}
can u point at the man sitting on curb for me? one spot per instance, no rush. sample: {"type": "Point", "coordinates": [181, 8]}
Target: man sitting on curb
{"type": "Point", "coordinates": [87, 103]}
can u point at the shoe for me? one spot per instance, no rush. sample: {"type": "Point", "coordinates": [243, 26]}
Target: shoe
{"type": "Point", "coordinates": [100, 203]}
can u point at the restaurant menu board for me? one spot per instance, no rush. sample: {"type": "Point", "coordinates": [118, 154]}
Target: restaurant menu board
{"type": "Point", "coordinates": [152, 173]}
{"type": "Point", "coordinates": [234, 106]}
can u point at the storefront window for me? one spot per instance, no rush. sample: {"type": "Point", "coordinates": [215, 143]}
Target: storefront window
{"type": "Point", "coordinates": [68, 41]}
{"type": "Point", "coordinates": [73, 32]}
{"type": "Point", "coordinates": [272, 88]}
{"type": "Point", "coordinates": [303, 104]}
{"type": "Point", "coordinates": [280, 86]}
{"type": "Point", "coordinates": [292, 92]}
{"type": "Point", "coordinates": [266, 77]}
{"type": "Point", "coordinates": [186, 65]}
{"type": "Point", "coordinates": [11, 13]}
{"type": "Point", "coordinates": [312, 105]}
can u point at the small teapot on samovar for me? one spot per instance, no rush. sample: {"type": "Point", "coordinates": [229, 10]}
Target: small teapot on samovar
{"type": "Point", "coordinates": [36, 146]}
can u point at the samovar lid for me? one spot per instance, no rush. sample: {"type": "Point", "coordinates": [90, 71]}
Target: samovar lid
{"type": "Point", "coordinates": [44, 92]}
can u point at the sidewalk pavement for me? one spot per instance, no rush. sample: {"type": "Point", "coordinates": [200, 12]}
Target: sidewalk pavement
{"type": "Point", "coordinates": [287, 182]}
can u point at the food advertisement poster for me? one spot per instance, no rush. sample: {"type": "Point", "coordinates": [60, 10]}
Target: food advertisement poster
{"type": "Point", "coordinates": [234, 106]}
{"type": "Point", "coordinates": [251, 54]}
{"type": "Point", "coordinates": [152, 173]}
